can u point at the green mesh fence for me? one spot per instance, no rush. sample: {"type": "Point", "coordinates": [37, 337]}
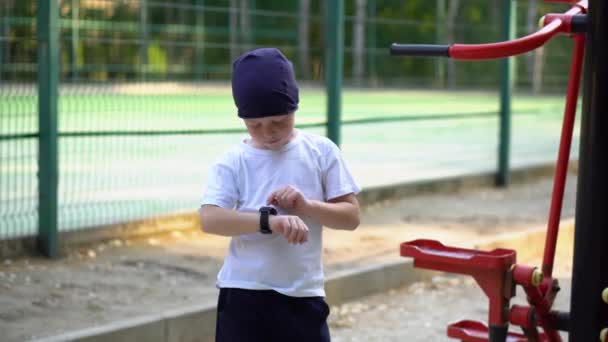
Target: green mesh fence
{"type": "Point", "coordinates": [145, 104]}
{"type": "Point", "coordinates": [18, 160]}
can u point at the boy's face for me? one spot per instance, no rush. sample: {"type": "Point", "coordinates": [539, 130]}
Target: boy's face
{"type": "Point", "coordinates": [272, 132]}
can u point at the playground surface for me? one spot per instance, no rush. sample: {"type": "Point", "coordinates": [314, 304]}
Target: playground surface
{"type": "Point", "coordinates": [121, 279]}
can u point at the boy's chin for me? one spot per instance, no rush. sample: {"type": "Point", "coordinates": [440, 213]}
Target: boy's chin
{"type": "Point", "coordinates": [275, 146]}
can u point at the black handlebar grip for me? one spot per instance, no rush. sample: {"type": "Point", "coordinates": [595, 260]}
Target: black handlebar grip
{"type": "Point", "coordinates": [420, 50]}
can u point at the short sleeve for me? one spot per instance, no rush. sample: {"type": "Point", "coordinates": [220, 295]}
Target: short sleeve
{"type": "Point", "coordinates": [337, 178]}
{"type": "Point", "coordinates": [221, 189]}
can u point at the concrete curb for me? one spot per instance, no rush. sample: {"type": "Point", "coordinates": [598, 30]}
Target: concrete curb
{"type": "Point", "coordinates": [197, 323]}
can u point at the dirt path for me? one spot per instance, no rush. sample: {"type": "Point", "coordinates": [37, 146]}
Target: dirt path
{"type": "Point", "coordinates": [128, 278]}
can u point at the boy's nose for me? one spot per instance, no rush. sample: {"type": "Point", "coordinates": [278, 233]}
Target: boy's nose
{"type": "Point", "coordinates": [268, 132]}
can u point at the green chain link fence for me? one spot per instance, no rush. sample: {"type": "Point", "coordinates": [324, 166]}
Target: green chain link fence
{"type": "Point", "coordinates": [144, 100]}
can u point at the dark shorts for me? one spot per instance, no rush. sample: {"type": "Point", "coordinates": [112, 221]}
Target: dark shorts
{"type": "Point", "coordinates": [267, 316]}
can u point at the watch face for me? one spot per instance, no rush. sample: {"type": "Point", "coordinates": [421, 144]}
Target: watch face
{"type": "Point", "coordinates": [264, 224]}
{"type": "Point", "coordinates": [269, 210]}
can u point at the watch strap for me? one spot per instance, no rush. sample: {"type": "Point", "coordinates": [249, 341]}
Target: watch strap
{"type": "Point", "coordinates": [265, 213]}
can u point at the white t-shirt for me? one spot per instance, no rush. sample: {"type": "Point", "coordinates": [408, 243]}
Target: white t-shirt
{"type": "Point", "coordinates": [243, 178]}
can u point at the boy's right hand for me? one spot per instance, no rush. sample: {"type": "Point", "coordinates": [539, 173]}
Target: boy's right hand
{"type": "Point", "coordinates": [291, 227]}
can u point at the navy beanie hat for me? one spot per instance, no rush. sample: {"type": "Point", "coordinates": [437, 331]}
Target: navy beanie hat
{"type": "Point", "coordinates": [263, 84]}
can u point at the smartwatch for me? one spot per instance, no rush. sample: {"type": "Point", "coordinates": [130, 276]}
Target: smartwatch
{"type": "Point", "coordinates": [264, 224]}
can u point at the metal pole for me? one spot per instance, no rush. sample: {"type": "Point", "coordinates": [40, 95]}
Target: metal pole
{"type": "Point", "coordinates": [507, 68]}
{"type": "Point", "coordinates": [561, 168]}
{"type": "Point", "coordinates": [48, 75]}
{"type": "Point", "coordinates": [589, 314]}
{"type": "Point", "coordinates": [334, 67]}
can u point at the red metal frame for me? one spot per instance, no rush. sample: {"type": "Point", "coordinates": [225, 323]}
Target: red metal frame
{"type": "Point", "coordinates": [563, 155]}
{"type": "Point", "coordinates": [553, 25]}
{"type": "Point", "coordinates": [496, 271]}
{"type": "Point", "coordinates": [473, 331]}
{"type": "Point", "coordinates": [490, 270]}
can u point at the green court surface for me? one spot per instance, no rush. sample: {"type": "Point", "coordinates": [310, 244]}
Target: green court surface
{"type": "Point", "coordinates": [149, 107]}
{"type": "Point", "coordinates": [112, 179]}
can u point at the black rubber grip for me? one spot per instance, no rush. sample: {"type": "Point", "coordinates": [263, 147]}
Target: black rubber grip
{"type": "Point", "coordinates": [579, 23]}
{"type": "Point", "coordinates": [420, 50]}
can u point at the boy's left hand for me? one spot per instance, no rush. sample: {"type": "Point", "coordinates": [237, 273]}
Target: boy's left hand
{"type": "Point", "coordinates": [289, 198]}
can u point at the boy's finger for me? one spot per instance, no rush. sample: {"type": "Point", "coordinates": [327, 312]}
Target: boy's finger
{"type": "Point", "coordinates": [271, 198]}
{"type": "Point", "coordinates": [286, 233]}
{"type": "Point", "coordinates": [303, 232]}
{"type": "Point", "coordinates": [293, 237]}
{"type": "Point", "coordinates": [301, 236]}
{"type": "Point", "coordinates": [296, 230]}
{"type": "Point", "coordinates": [290, 195]}
{"type": "Point", "coordinates": [297, 239]}
{"type": "Point", "coordinates": [304, 235]}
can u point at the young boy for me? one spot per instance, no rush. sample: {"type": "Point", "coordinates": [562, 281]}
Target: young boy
{"type": "Point", "coordinates": [272, 194]}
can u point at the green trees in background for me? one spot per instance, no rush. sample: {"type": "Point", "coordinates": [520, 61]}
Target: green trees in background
{"type": "Point", "coordinates": [136, 40]}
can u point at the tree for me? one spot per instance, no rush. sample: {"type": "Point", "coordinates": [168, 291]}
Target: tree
{"type": "Point", "coordinates": [144, 39]}
{"type": "Point", "coordinates": [451, 35]}
{"type": "Point", "coordinates": [303, 37]}
{"type": "Point", "coordinates": [535, 60]}
{"type": "Point", "coordinates": [359, 42]}
{"type": "Point", "coordinates": [440, 37]}
{"type": "Point", "coordinates": [245, 26]}
{"type": "Point", "coordinates": [233, 23]}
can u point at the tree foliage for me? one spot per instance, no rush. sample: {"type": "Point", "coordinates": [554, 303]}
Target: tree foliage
{"type": "Point", "coordinates": [190, 39]}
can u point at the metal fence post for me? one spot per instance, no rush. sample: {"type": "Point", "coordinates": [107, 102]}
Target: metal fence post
{"type": "Point", "coordinates": [48, 74]}
{"type": "Point", "coordinates": [507, 68]}
{"type": "Point", "coordinates": [334, 67]}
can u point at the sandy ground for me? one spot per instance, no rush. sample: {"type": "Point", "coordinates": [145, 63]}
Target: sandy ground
{"type": "Point", "coordinates": [118, 279]}
{"type": "Point", "coordinates": [420, 312]}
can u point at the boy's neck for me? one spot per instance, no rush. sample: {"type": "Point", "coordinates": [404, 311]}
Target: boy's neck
{"type": "Point", "coordinates": [255, 144]}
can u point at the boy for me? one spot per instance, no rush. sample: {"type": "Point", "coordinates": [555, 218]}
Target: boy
{"type": "Point", "coordinates": [272, 194]}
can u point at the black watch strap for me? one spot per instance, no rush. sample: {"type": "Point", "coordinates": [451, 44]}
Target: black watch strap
{"type": "Point", "coordinates": [265, 212]}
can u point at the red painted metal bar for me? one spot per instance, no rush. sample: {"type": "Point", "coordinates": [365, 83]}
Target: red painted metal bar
{"type": "Point", "coordinates": [490, 270]}
{"type": "Point", "coordinates": [553, 26]}
{"type": "Point", "coordinates": [582, 4]}
{"type": "Point", "coordinates": [563, 156]}
{"type": "Point", "coordinates": [579, 8]}
{"type": "Point", "coordinates": [505, 49]}
{"type": "Point", "coordinates": [475, 331]}
{"type": "Point", "coordinates": [543, 308]}
{"type": "Point", "coordinates": [498, 287]}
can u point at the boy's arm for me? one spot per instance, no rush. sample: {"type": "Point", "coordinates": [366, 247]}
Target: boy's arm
{"type": "Point", "coordinates": [227, 222]}
{"type": "Point", "coordinates": [338, 213]}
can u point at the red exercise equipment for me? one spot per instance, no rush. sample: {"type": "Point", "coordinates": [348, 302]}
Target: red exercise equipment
{"type": "Point", "coordinates": [497, 272]}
